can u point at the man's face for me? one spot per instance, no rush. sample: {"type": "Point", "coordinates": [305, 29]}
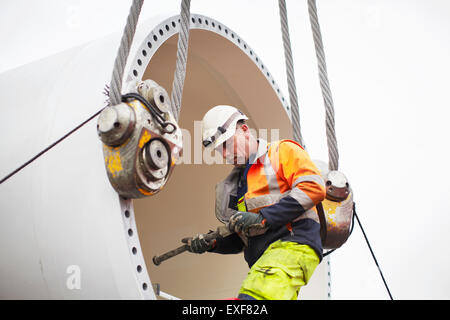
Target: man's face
{"type": "Point", "coordinates": [235, 150]}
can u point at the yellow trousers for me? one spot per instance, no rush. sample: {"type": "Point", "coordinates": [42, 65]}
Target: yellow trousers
{"type": "Point", "coordinates": [280, 272]}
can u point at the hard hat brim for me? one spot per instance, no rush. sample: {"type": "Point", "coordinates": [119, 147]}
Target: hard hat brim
{"type": "Point", "coordinates": [219, 125]}
{"type": "Point", "coordinates": [231, 130]}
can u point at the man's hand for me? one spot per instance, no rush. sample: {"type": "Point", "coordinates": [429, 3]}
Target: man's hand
{"type": "Point", "coordinates": [249, 223]}
{"type": "Point", "coordinates": [199, 244]}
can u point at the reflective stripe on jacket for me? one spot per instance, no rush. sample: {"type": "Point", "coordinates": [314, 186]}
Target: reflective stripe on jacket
{"type": "Point", "coordinates": [280, 169]}
{"type": "Point", "coordinates": [283, 185]}
{"type": "Point", "coordinates": [285, 170]}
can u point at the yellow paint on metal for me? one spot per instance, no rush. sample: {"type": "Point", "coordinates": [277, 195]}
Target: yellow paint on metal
{"type": "Point", "coordinates": [147, 193]}
{"type": "Point", "coordinates": [134, 104]}
{"type": "Point", "coordinates": [144, 139]}
{"type": "Point", "coordinates": [112, 160]}
{"type": "Point", "coordinates": [329, 208]}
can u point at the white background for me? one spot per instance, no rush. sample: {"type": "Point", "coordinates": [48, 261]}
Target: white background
{"type": "Point", "coordinates": [388, 64]}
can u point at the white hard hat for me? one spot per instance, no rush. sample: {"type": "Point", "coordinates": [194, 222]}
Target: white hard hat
{"type": "Point", "coordinates": [219, 124]}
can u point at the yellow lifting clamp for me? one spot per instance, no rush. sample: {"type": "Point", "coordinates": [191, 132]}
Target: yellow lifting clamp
{"type": "Point", "coordinates": [141, 140]}
{"type": "Point", "coordinates": [336, 210]}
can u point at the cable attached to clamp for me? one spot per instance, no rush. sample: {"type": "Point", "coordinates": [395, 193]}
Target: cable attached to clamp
{"type": "Point", "coordinates": [50, 147]}
{"type": "Point", "coordinates": [154, 111]}
{"type": "Point", "coordinates": [368, 244]}
{"type": "Point", "coordinates": [373, 254]}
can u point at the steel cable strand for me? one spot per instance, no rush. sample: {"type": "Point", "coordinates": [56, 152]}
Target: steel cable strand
{"type": "Point", "coordinates": [295, 116]}
{"type": "Point", "coordinates": [182, 52]}
{"type": "Point", "coordinates": [123, 52]}
{"type": "Point", "coordinates": [333, 153]}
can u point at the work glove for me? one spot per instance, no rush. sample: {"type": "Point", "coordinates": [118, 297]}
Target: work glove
{"type": "Point", "coordinates": [249, 223]}
{"type": "Point", "coordinates": [199, 244]}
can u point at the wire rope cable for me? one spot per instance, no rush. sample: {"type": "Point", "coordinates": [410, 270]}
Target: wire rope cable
{"type": "Point", "coordinates": [333, 153]}
{"type": "Point", "coordinates": [295, 113]}
{"type": "Point", "coordinates": [182, 55]}
{"type": "Point", "coordinates": [123, 52]}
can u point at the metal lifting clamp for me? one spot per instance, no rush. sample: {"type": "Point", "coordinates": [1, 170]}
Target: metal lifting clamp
{"type": "Point", "coordinates": [336, 210]}
{"type": "Point", "coordinates": [141, 140]}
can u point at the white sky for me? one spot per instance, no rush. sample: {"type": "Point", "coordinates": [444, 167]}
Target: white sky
{"type": "Point", "coordinates": [388, 64]}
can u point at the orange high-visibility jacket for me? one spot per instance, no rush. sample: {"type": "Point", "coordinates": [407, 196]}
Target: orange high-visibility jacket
{"type": "Point", "coordinates": [285, 170]}
{"type": "Point", "coordinates": [283, 185]}
{"type": "Point", "coordinates": [280, 169]}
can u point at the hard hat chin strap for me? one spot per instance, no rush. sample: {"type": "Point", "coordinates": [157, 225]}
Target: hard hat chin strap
{"type": "Point", "coordinates": [221, 129]}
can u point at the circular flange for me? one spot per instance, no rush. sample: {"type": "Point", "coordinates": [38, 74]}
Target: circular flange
{"type": "Point", "coordinates": [171, 26]}
{"type": "Point", "coordinates": [154, 40]}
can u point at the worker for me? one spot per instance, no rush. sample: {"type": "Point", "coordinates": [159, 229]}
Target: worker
{"type": "Point", "coordinates": [268, 201]}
